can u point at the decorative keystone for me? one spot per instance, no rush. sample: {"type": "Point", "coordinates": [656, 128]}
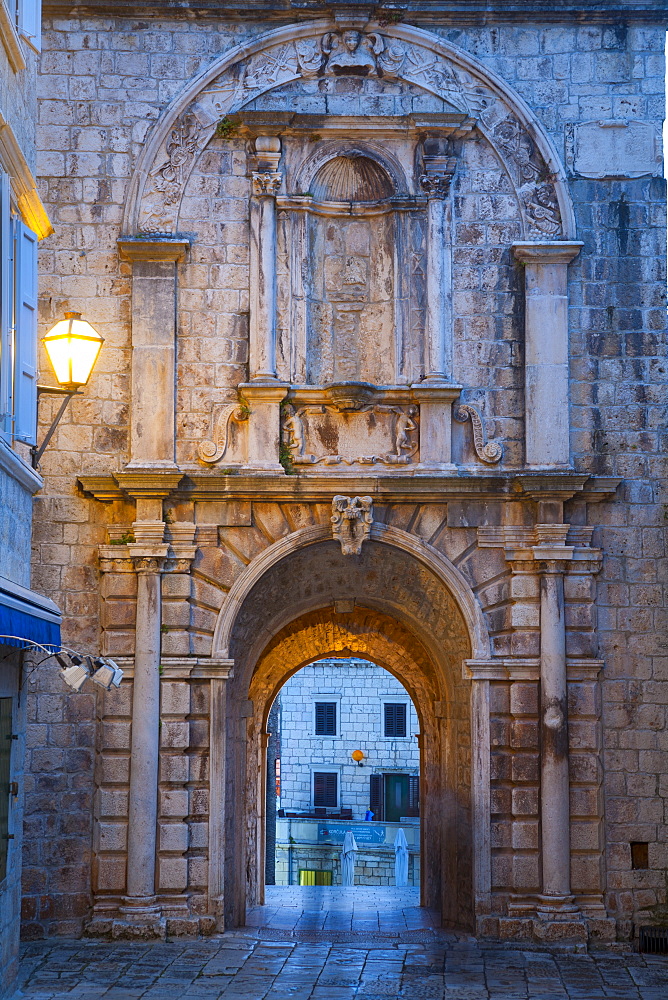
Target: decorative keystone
{"type": "Point", "coordinates": [352, 518]}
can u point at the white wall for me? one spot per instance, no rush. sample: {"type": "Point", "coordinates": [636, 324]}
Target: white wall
{"type": "Point", "coordinates": [360, 688]}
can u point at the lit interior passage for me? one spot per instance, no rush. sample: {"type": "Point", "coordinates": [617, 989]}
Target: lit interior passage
{"type": "Point", "coordinates": [343, 758]}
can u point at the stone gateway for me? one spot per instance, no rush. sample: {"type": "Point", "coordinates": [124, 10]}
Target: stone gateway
{"type": "Point", "coordinates": [383, 299]}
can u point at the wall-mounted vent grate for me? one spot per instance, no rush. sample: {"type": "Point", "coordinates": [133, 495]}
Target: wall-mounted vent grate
{"type": "Point", "coordinates": [653, 940]}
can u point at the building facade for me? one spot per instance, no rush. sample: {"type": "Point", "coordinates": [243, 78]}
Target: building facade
{"type": "Point", "coordinates": [330, 709]}
{"type": "Point", "coordinates": [25, 616]}
{"type": "Point", "coordinates": [383, 299]}
{"type": "Point", "coordinates": [326, 712]}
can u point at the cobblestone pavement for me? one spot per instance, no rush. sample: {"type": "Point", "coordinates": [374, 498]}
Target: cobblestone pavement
{"type": "Point", "coordinates": [240, 966]}
{"type": "Point", "coordinates": [310, 943]}
{"type": "Point", "coordinates": [313, 912]}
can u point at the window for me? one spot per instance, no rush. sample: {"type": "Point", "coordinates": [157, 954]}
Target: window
{"type": "Point", "coordinates": [325, 718]}
{"type": "Point", "coordinates": [29, 17]}
{"type": "Point", "coordinates": [639, 855]}
{"type": "Point", "coordinates": [377, 796]}
{"type": "Point", "coordinates": [394, 719]}
{"type": "Point", "coordinates": [18, 324]}
{"type": "Point", "coordinates": [325, 789]}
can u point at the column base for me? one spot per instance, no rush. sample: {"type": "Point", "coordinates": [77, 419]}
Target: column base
{"type": "Point", "coordinates": [556, 907]}
{"type": "Point", "coordinates": [558, 919]}
{"type": "Point", "coordinates": [140, 917]}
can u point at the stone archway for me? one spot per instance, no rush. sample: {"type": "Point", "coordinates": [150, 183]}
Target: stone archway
{"type": "Point", "coordinates": [406, 620]}
{"type": "Point", "coordinates": [402, 52]}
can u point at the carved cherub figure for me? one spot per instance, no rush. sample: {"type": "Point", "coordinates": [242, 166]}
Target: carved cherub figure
{"type": "Point", "coordinates": [352, 53]}
{"type": "Point", "coordinates": [404, 425]}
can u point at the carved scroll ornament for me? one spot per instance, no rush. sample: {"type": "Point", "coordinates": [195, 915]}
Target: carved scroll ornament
{"type": "Point", "coordinates": [490, 452]}
{"type": "Point", "coordinates": [212, 452]}
{"type": "Point", "coordinates": [352, 518]}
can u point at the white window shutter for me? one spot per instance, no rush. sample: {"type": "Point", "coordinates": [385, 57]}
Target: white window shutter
{"type": "Point", "coordinates": [6, 309]}
{"type": "Point", "coordinates": [25, 384]}
{"type": "Point", "coordinates": [30, 22]}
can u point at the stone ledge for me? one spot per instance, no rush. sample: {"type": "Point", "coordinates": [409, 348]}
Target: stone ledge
{"type": "Point", "coordinates": [460, 12]}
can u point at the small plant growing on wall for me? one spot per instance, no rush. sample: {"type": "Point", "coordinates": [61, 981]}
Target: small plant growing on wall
{"type": "Point", "coordinates": [390, 16]}
{"type": "Point", "coordinates": [226, 128]}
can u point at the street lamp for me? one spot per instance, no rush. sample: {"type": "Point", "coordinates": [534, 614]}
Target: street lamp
{"type": "Point", "coordinates": [73, 346]}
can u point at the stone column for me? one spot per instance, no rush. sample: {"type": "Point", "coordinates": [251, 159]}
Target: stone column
{"type": "Point", "coordinates": [553, 556]}
{"type": "Point", "coordinates": [148, 553]}
{"type": "Point", "coordinates": [439, 170]}
{"type": "Point", "coordinates": [266, 182]}
{"type": "Point", "coordinates": [154, 287]}
{"type": "Point", "coordinates": [546, 351]}
{"type": "Point", "coordinates": [219, 671]}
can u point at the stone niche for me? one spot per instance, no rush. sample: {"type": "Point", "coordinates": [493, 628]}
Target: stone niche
{"type": "Point", "coordinates": [351, 298]}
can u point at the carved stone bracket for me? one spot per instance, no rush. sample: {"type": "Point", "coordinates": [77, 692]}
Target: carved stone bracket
{"type": "Point", "coordinates": [213, 451]}
{"type": "Point", "coordinates": [352, 518]}
{"type": "Point", "coordinates": [490, 451]}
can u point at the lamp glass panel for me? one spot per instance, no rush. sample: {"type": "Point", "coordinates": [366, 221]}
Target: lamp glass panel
{"type": "Point", "coordinates": [73, 346]}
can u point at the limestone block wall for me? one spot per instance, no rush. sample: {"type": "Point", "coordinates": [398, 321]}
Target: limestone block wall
{"type": "Point", "coordinates": [358, 688]}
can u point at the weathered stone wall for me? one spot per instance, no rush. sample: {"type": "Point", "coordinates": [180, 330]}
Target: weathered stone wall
{"type": "Point", "coordinates": [104, 81]}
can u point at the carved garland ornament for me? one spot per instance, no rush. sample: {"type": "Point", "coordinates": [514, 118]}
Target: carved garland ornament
{"type": "Point", "coordinates": [347, 53]}
{"type": "Point", "coordinates": [352, 518]}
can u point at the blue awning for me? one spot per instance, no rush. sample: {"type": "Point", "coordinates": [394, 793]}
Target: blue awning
{"type": "Point", "coordinates": [26, 616]}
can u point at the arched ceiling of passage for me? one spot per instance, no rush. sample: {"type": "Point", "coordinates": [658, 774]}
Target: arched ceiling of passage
{"type": "Point", "coordinates": [361, 633]}
{"type": "Point", "coordinates": [385, 581]}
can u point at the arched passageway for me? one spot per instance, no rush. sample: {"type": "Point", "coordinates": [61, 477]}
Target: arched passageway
{"type": "Point", "coordinates": [386, 606]}
{"type": "Point", "coordinates": [343, 758]}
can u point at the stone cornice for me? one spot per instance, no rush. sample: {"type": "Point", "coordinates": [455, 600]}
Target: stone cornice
{"type": "Point", "coordinates": [183, 668]}
{"type": "Point", "coordinates": [510, 668]}
{"type": "Point", "coordinates": [317, 489]}
{"type": "Point", "coordinates": [154, 249]}
{"type": "Point", "coordinates": [546, 252]}
{"type": "Point", "coordinates": [458, 12]}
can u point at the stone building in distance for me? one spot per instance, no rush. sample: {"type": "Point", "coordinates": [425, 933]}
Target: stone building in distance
{"type": "Point", "coordinates": [383, 297]}
{"type": "Point", "coordinates": [325, 713]}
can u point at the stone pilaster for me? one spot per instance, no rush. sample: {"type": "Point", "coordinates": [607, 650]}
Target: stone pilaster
{"type": "Point", "coordinates": [266, 182]}
{"type": "Point", "coordinates": [154, 287]}
{"type": "Point", "coordinates": [546, 351]}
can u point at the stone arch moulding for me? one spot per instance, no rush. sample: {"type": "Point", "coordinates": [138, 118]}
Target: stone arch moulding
{"type": "Point", "coordinates": [399, 51]}
{"type": "Point", "coordinates": [450, 576]}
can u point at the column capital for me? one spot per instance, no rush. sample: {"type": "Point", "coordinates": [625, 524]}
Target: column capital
{"type": "Point", "coordinates": [547, 251]}
{"type": "Point", "coordinates": [553, 559]}
{"type": "Point", "coordinates": [437, 185]}
{"type": "Point", "coordinates": [148, 559]}
{"type": "Point", "coordinates": [266, 184]}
